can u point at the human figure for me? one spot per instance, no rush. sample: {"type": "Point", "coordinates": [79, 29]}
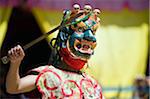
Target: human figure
{"type": "Point", "coordinates": [64, 77]}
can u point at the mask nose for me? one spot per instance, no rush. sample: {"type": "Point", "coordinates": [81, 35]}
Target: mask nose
{"type": "Point", "coordinates": [88, 35]}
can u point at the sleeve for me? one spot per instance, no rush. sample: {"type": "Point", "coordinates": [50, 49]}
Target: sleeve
{"type": "Point", "coordinates": [36, 71]}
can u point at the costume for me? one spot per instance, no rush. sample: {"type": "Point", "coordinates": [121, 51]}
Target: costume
{"type": "Point", "coordinates": [74, 45]}
{"type": "Point", "coordinates": [55, 83]}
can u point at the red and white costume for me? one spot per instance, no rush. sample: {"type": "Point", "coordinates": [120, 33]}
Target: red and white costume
{"type": "Point", "coordinates": [55, 83]}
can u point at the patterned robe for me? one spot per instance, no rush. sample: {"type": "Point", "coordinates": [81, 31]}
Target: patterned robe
{"type": "Point", "coordinates": [55, 83]}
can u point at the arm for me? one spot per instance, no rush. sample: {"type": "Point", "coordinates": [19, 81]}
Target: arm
{"type": "Point", "coordinates": [15, 84]}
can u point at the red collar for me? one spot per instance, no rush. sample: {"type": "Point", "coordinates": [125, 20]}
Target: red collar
{"type": "Point", "coordinates": [69, 59]}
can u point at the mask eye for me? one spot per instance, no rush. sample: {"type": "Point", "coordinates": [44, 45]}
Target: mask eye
{"type": "Point", "coordinates": [87, 9]}
{"type": "Point", "coordinates": [76, 8]}
{"type": "Point", "coordinates": [98, 13]}
{"type": "Point", "coordinates": [80, 29]}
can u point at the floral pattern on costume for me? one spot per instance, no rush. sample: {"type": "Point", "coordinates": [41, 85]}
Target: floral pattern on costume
{"type": "Point", "coordinates": [54, 83]}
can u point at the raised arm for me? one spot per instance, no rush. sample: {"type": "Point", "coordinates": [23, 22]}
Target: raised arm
{"type": "Point", "coordinates": [15, 84]}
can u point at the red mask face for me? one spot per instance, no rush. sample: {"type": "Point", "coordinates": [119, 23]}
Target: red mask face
{"type": "Point", "coordinates": [72, 61]}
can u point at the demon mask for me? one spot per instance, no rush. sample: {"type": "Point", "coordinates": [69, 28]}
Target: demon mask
{"type": "Point", "coordinates": [76, 42]}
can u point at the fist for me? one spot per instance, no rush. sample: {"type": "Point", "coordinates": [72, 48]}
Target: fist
{"type": "Point", "coordinates": [16, 54]}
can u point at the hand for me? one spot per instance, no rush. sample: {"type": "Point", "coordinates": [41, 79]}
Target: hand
{"type": "Point", "coordinates": [16, 54]}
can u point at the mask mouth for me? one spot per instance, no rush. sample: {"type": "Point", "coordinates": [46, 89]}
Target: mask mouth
{"type": "Point", "coordinates": [82, 49]}
{"type": "Point", "coordinates": [84, 46]}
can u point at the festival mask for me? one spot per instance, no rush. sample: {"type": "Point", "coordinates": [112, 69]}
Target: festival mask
{"type": "Point", "coordinates": [78, 41]}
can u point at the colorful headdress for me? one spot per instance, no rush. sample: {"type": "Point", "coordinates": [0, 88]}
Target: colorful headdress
{"type": "Point", "coordinates": [75, 42]}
